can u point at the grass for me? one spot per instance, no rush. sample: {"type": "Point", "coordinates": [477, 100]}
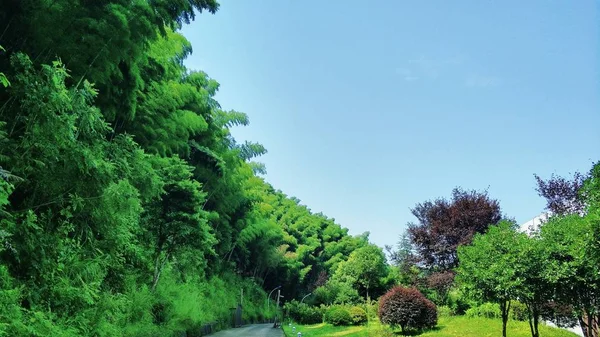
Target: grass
{"type": "Point", "coordinates": [459, 326]}
{"type": "Point", "coordinates": [333, 331]}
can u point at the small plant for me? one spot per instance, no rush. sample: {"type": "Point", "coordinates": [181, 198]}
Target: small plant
{"type": "Point", "coordinates": [458, 302]}
{"type": "Point", "coordinates": [407, 308]}
{"type": "Point", "coordinates": [303, 313]}
{"type": "Point", "coordinates": [518, 311]}
{"type": "Point", "coordinates": [487, 310]}
{"type": "Point", "coordinates": [444, 311]}
{"type": "Point", "coordinates": [358, 314]}
{"type": "Point", "coordinates": [338, 315]}
{"type": "Point", "coordinates": [3, 80]}
{"type": "Point", "coordinates": [371, 309]}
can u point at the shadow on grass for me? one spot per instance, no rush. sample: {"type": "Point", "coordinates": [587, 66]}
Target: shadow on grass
{"type": "Point", "coordinates": [418, 332]}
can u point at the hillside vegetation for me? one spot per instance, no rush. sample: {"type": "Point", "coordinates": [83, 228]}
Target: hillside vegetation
{"type": "Point", "coordinates": [126, 206]}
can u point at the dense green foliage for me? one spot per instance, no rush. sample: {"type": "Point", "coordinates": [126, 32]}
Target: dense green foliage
{"type": "Point", "coordinates": [338, 315]}
{"type": "Point", "coordinates": [554, 271]}
{"type": "Point", "coordinates": [126, 206]}
{"type": "Point", "coordinates": [358, 314]}
{"type": "Point", "coordinates": [489, 267]}
{"type": "Point", "coordinates": [345, 315]}
{"type": "Point", "coordinates": [303, 313]}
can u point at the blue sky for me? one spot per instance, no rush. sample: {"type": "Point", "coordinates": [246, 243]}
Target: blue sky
{"type": "Point", "coordinates": [367, 108]}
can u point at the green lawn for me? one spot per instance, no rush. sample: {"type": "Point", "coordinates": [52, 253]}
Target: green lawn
{"type": "Point", "coordinates": [447, 327]}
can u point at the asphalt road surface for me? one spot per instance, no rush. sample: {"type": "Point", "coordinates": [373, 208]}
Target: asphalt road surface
{"type": "Point", "coordinates": [255, 330]}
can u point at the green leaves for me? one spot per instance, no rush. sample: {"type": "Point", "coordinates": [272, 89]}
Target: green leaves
{"type": "Point", "coordinates": [3, 80]}
{"type": "Point", "coordinates": [122, 189]}
{"type": "Point", "coordinates": [488, 267]}
{"type": "Point", "coordinates": [249, 150]}
{"type": "Point", "coordinates": [365, 268]}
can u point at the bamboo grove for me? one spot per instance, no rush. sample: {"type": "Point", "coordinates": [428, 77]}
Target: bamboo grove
{"type": "Point", "coordinates": [126, 206]}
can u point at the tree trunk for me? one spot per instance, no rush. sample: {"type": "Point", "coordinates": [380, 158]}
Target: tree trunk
{"type": "Point", "coordinates": [505, 308]}
{"type": "Point", "coordinates": [593, 325]}
{"type": "Point", "coordinates": [158, 267]}
{"type": "Point", "coordinates": [231, 251]}
{"type": "Point", "coordinates": [533, 316]}
{"type": "Point", "coordinates": [583, 326]}
{"type": "Point", "coordinates": [530, 319]}
{"type": "Point", "coordinates": [589, 324]}
{"type": "Point", "coordinates": [536, 322]}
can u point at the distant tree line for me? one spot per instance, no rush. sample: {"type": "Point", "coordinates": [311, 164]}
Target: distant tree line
{"type": "Point", "coordinates": [463, 251]}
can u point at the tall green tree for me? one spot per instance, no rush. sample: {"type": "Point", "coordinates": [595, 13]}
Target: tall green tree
{"type": "Point", "coordinates": [571, 266]}
{"type": "Point", "coordinates": [365, 269]}
{"type": "Point", "coordinates": [489, 267]}
{"type": "Point", "coordinates": [176, 222]}
{"type": "Point", "coordinates": [570, 244]}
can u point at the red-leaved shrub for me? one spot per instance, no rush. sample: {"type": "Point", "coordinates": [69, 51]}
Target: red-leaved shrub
{"type": "Point", "coordinates": [407, 308]}
{"type": "Point", "coordinates": [441, 282]}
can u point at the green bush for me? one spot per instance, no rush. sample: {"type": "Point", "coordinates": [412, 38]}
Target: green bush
{"type": "Point", "coordinates": [458, 302]}
{"type": "Point", "coordinates": [335, 292]}
{"type": "Point", "coordinates": [303, 313]}
{"type": "Point", "coordinates": [311, 315]}
{"type": "Point", "coordinates": [444, 311]}
{"type": "Point", "coordinates": [518, 311]}
{"type": "Point", "coordinates": [358, 314]}
{"type": "Point", "coordinates": [372, 309]}
{"type": "Point", "coordinates": [487, 310]}
{"type": "Point", "coordinates": [338, 315]}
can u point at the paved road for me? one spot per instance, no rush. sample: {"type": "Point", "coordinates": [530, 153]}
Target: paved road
{"type": "Point", "coordinates": [256, 330]}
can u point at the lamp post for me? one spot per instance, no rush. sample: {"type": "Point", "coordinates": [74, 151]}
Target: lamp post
{"type": "Point", "coordinates": [269, 298]}
{"type": "Point", "coordinates": [305, 297]}
{"type": "Point", "coordinates": [277, 308]}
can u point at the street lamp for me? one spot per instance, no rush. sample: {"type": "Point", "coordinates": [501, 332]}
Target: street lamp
{"type": "Point", "coordinates": [305, 297]}
{"type": "Point", "coordinates": [269, 298]}
{"type": "Point", "coordinates": [276, 310]}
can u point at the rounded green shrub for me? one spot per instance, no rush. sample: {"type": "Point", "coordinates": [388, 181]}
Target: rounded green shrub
{"type": "Point", "coordinates": [487, 310]}
{"type": "Point", "coordinates": [338, 315]}
{"type": "Point", "coordinates": [358, 314]}
{"type": "Point", "coordinates": [444, 311]}
{"type": "Point", "coordinates": [310, 315]}
{"type": "Point", "coordinates": [303, 313]}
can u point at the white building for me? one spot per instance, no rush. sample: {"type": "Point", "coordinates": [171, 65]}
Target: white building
{"type": "Point", "coordinates": [535, 223]}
